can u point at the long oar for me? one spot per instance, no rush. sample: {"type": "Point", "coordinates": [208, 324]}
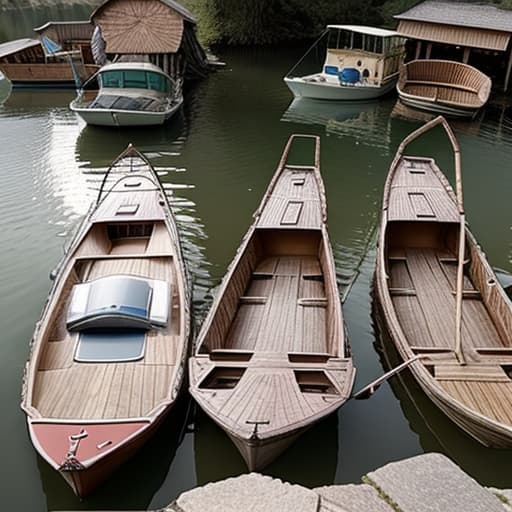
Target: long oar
{"type": "Point", "coordinates": [368, 390]}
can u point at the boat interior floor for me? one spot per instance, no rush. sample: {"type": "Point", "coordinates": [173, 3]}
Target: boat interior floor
{"type": "Point", "coordinates": [444, 93]}
{"type": "Point", "coordinates": [423, 293]}
{"type": "Point", "coordinates": [423, 287]}
{"type": "Point", "coordinates": [284, 308]}
{"type": "Point", "coordinates": [68, 389]}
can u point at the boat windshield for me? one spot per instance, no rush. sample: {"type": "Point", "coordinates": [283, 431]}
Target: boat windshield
{"type": "Point", "coordinates": [340, 39]}
{"type": "Point", "coordinates": [135, 79]}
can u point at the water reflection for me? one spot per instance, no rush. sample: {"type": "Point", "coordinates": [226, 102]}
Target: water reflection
{"type": "Point", "coordinates": [365, 121]}
{"type": "Point", "coordinates": [5, 88]}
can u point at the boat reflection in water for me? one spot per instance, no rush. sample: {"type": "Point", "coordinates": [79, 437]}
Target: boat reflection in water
{"type": "Point", "coordinates": [318, 446]}
{"type": "Point", "coordinates": [5, 88]}
{"type": "Point", "coordinates": [367, 121]}
{"type": "Point", "coordinates": [435, 430]}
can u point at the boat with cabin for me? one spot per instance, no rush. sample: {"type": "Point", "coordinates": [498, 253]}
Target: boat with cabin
{"type": "Point", "coordinates": [130, 94]}
{"type": "Point", "coordinates": [443, 86]}
{"type": "Point", "coordinates": [59, 56]}
{"type": "Point", "coordinates": [107, 358]}
{"type": "Point", "coordinates": [361, 63]}
{"type": "Point", "coordinates": [439, 298]}
{"type": "Point", "coordinates": [272, 357]}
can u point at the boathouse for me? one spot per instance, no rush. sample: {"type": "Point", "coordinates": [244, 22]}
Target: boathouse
{"type": "Point", "coordinates": [162, 32]}
{"type": "Point", "coordinates": [476, 33]}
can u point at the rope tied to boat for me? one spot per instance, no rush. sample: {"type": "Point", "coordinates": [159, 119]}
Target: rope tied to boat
{"type": "Point", "coordinates": [71, 463]}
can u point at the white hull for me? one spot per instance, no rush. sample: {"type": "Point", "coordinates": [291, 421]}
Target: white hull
{"type": "Point", "coordinates": [335, 92]}
{"type": "Point", "coordinates": [108, 117]}
{"type": "Point", "coordinates": [432, 106]}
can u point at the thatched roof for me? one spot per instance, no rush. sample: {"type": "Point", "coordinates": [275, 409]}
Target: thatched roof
{"type": "Point", "coordinates": [141, 26]}
{"type": "Point", "coordinates": [460, 13]}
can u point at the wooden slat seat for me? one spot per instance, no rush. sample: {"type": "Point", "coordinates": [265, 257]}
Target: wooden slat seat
{"type": "Point", "coordinates": [448, 82]}
{"type": "Point", "coordinates": [471, 372]}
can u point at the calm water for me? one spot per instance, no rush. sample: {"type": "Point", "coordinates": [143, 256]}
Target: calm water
{"type": "Point", "coordinates": [218, 156]}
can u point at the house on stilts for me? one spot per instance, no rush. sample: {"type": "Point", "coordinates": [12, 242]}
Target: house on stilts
{"type": "Point", "coordinates": [475, 33]}
{"type": "Point", "coordinates": [161, 32]}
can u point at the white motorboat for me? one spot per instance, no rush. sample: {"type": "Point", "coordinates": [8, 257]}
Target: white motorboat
{"type": "Point", "coordinates": [361, 63]}
{"type": "Point", "coordinates": [130, 94]}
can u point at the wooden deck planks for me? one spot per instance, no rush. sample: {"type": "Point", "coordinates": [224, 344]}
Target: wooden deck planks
{"type": "Point", "coordinates": [294, 202]}
{"type": "Point", "coordinates": [282, 324]}
{"type": "Point", "coordinates": [490, 399]}
{"type": "Point", "coordinates": [428, 319]}
{"type": "Point", "coordinates": [266, 394]}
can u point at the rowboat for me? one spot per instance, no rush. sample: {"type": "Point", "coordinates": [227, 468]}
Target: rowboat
{"type": "Point", "coordinates": [130, 94]}
{"type": "Point", "coordinates": [440, 298]}
{"type": "Point", "coordinates": [108, 355]}
{"type": "Point", "coordinates": [443, 86]}
{"type": "Point", "coordinates": [272, 358]}
{"type": "Point", "coordinates": [361, 63]}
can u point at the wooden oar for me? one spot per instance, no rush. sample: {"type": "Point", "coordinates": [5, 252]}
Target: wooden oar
{"type": "Point", "coordinates": [368, 390]}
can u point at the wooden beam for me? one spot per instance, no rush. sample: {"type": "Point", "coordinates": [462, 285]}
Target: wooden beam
{"type": "Point", "coordinates": [465, 58]}
{"type": "Point", "coordinates": [509, 66]}
{"type": "Point", "coordinates": [418, 50]}
{"type": "Point", "coordinates": [429, 51]}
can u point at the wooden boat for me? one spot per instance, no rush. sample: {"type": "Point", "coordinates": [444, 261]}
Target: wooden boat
{"type": "Point", "coordinates": [271, 358]}
{"type": "Point", "coordinates": [130, 94]}
{"type": "Point", "coordinates": [441, 299]}
{"type": "Point", "coordinates": [443, 86]}
{"type": "Point", "coordinates": [59, 56]}
{"type": "Point", "coordinates": [108, 354]}
{"type": "Point", "coordinates": [361, 63]}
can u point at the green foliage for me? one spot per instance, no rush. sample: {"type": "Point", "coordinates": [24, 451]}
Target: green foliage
{"type": "Point", "coordinates": [273, 21]}
{"type": "Point", "coordinates": [392, 7]}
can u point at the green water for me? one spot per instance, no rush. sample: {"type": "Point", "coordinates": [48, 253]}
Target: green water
{"type": "Point", "coordinates": [218, 155]}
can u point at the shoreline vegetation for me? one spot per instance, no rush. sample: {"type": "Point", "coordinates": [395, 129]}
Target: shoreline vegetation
{"type": "Point", "coordinates": [267, 22]}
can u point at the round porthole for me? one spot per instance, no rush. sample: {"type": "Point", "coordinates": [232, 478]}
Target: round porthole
{"type": "Point", "coordinates": [359, 63]}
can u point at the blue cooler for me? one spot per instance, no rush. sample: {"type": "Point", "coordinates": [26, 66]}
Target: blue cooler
{"type": "Point", "coordinates": [349, 75]}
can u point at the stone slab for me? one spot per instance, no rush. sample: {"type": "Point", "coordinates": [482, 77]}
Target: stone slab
{"type": "Point", "coordinates": [351, 498]}
{"type": "Point", "coordinates": [505, 495]}
{"type": "Point", "coordinates": [433, 483]}
{"type": "Point", "coordinates": [249, 493]}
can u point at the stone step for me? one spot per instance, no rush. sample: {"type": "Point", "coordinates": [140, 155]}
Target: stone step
{"type": "Point", "coordinates": [432, 483]}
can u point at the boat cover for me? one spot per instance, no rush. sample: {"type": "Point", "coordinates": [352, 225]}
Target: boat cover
{"type": "Point", "coordinates": [119, 302]}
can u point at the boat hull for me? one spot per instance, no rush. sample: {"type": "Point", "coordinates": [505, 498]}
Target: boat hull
{"type": "Point", "coordinates": [484, 430]}
{"type": "Point", "coordinates": [334, 92]}
{"type": "Point", "coordinates": [85, 478]}
{"type": "Point", "coordinates": [104, 117]}
{"type": "Point", "coordinates": [437, 108]}
{"type": "Point", "coordinates": [260, 453]}
{"type": "Point", "coordinates": [58, 75]}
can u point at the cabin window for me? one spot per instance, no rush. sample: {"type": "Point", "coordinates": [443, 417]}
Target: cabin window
{"type": "Point", "coordinates": [112, 79]}
{"type": "Point", "coordinates": [135, 79]}
{"type": "Point", "coordinates": [158, 82]}
{"type": "Point", "coordinates": [357, 41]}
